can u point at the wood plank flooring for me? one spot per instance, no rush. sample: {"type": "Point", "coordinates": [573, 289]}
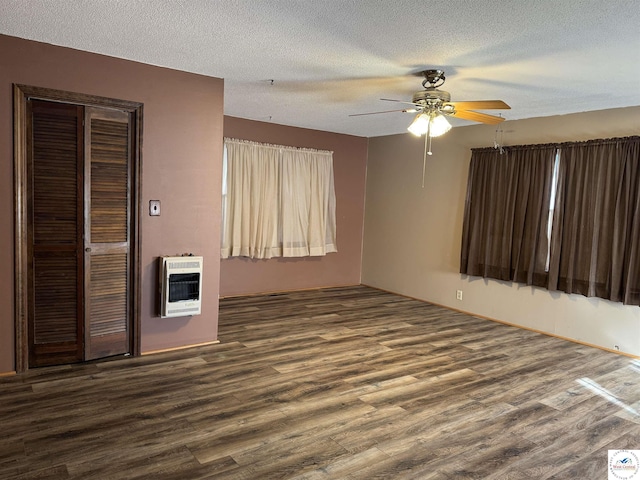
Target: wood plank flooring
{"type": "Point", "coordinates": [341, 383]}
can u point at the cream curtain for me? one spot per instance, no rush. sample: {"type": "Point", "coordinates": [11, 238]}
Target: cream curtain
{"type": "Point", "coordinates": [277, 201]}
{"type": "Point", "coordinates": [251, 201]}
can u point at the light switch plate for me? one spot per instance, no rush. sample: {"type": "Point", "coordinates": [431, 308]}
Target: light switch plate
{"type": "Point", "coordinates": [154, 207]}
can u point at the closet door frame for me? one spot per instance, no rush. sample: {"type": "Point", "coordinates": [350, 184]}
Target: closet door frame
{"type": "Point", "coordinates": [22, 93]}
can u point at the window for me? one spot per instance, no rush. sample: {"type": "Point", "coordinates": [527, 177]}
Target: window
{"type": "Point", "coordinates": [552, 202]}
{"type": "Point", "coordinates": [564, 217]}
{"type": "Point", "coordinates": [277, 201]}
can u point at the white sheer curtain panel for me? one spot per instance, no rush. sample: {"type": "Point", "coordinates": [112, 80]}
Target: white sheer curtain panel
{"type": "Point", "coordinates": [308, 207]}
{"type": "Point", "coordinates": [277, 201]}
{"type": "Point", "coordinates": [251, 202]}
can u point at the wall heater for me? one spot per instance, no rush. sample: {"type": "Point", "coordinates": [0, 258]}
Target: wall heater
{"type": "Point", "coordinates": [180, 286]}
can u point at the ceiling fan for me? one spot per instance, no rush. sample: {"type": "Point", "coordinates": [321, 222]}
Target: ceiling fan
{"type": "Point", "coordinates": [433, 106]}
{"type": "Point", "coordinates": [433, 103]}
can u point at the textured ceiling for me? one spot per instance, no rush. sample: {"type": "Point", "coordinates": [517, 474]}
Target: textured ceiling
{"type": "Point", "coordinates": [311, 63]}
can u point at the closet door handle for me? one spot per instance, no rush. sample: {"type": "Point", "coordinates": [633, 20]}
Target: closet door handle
{"type": "Point", "coordinates": [88, 249]}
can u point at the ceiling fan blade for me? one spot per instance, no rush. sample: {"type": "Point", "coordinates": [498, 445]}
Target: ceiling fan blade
{"type": "Point", "coordinates": [399, 101]}
{"type": "Point", "coordinates": [404, 110]}
{"type": "Point", "coordinates": [477, 117]}
{"type": "Point", "coordinates": [481, 105]}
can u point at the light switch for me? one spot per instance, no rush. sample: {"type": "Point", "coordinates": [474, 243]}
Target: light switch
{"type": "Point", "coordinates": [154, 207]}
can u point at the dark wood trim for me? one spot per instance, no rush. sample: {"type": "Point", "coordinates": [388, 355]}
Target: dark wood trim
{"type": "Point", "coordinates": [21, 94]}
{"type": "Point", "coordinates": [20, 230]}
{"type": "Point", "coordinates": [77, 98]}
{"type": "Point", "coordinates": [136, 239]}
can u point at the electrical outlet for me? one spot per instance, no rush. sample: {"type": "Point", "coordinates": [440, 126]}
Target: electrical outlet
{"type": "Point", "coordinates": [459, 294]}
{"type": "Point", "coordinates": [154, 207]}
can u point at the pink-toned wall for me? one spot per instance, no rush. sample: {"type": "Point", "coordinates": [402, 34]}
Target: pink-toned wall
{"type": "Point", "coordinates": [181, 167]}
{"type": "Point", "coordinates": [241, 276]}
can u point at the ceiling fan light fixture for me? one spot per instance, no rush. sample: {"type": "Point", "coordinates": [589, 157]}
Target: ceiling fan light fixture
{"type": "Point", "coordinates": [420, 124]}
{"type": "Point", "coordinates": [439, 126]}
{"type": "Point", "coordinates": [434, 124]}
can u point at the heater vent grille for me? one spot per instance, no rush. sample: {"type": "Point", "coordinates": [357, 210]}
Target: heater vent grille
{"type": "Point", "coordinates": [180, 285]}
{"type": "Point", "coordinates": [175, 265]}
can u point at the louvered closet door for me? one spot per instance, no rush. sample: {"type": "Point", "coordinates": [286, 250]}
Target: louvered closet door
{"type": "Point", "coordinates": [107, 233]}
{"type": "Point", "coordinates": [54, 233]}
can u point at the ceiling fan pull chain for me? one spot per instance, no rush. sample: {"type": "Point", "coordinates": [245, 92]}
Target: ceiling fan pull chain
{"type": "Point", "coordinates": [424, 161]}
{"type": "Point", "coordinates": [427, 150]}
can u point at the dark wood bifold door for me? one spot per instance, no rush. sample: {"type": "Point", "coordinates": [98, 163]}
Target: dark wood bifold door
{"type": "Point", "coordinates": [106, 232]}
{"type": "Point", "coordinates": [54, 232]}
{"type": "Point", "coordinates": [79, 174]}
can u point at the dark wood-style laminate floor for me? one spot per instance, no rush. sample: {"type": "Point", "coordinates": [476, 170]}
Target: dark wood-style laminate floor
{"type": "Point", "coordinates": [342, 383]}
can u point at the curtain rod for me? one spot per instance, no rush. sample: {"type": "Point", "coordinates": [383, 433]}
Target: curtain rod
{"type": "Point", "coordinates": [280, 147]}
{"type": "Point", "coordinates": [602, 141]}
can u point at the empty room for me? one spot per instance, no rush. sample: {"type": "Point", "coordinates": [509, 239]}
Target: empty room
{"type": "Point", "coordinates": [331, 239]}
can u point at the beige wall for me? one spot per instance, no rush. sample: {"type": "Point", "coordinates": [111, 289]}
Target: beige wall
{"type": "Point", "coordinates": [239, 276]}
{"type": "Point", "coordinates": [412, 235]}
{"type": "Point", "coordinates": [181, 166]}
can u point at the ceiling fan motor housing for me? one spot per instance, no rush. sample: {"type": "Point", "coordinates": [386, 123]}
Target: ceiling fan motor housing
{"type": "Point", "coordinates": [431, 96]}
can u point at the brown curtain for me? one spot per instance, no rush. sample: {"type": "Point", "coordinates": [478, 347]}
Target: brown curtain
{"type": "Point", "coordinates": [594, 249]}
{"type": "Point", "coordinates": [507, 212]}
{"type": "Point", "coordinates": [596, 227]}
